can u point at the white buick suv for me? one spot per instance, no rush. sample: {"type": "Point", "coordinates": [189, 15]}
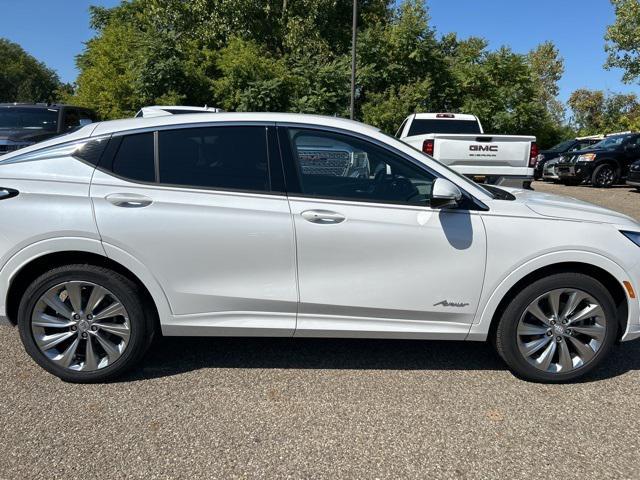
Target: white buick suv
{"type": "Point", "coordinates": [290, 225]}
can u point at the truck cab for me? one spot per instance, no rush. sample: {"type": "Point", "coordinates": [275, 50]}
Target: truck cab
{"type": "Point", "coordinates": [23, 124]}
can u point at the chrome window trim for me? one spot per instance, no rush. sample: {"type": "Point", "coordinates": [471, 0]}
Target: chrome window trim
{"type": "Point", "coordinates": [59, 150]}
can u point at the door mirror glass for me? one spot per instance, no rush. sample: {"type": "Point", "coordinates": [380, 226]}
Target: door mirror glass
{"type": "Point", "coordinates": [445, 194]}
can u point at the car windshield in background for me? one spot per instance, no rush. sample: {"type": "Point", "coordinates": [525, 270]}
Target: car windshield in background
{"type": "Point", "coordinates": [424, 126]}
{"type": "Point", "coordinates": [12, 118]}
{"type": "Point", "coordinates": [562, 146]}
{"type": "Point", "coordinates": [610, 142]}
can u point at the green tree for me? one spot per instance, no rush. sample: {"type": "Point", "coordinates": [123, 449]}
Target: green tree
{"type": "Point", "coordinates": [547, 67]}
{"type": "Point", "coordinates": [595, 112]}
{"type": "Point", "coordinates": [295, 56]}
{"type": "Point", "coordinates": [23, 78]}
{"type": "Point", "coordinates": [623, 39]}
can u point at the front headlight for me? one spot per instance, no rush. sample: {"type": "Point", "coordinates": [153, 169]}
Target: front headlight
{"type": "Point", "coordinates": [633, 236]}
{"type": "Point", "coordinates": [587, 157]}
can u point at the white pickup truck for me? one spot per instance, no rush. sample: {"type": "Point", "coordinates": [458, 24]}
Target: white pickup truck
{"type": "Point", "coordinates": [457, 140]}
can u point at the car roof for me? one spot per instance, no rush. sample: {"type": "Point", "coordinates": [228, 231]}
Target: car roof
{"type": "Point", "coordinates": [139, 123]}
{"type": "Point", "coordinates": [51, 106]}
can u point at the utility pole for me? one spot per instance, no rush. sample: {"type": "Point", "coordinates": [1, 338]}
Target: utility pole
{"type": "Point", "coordinates": [353, 58]}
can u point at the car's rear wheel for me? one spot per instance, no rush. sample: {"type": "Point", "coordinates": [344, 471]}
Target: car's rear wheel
{"type": "Point", "coordinates": [604, 176]}
{"type": "Point", "coordinates": [557, 329]}
{"type": "Point", "coordinates": [84, 323]}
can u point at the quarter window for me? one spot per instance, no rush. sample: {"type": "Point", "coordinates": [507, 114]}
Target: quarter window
{"type": "Point", "coordinates": [134, 159]}
{"type": "Point", "coordinates": [340, 166]}
{"type": "Point", "coordinates": [215, 157]}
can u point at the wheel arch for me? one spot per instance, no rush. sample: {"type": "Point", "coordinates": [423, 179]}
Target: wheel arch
{"type": "Point", "coordinates": [615, 163]}
{"type": "Point", "coordinates": [28, 271]}
{"type": "Point", "coordinates": [602, 269]}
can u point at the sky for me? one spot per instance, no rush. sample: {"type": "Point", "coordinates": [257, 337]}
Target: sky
{"type": "Point", "coordinates": [54, 31]}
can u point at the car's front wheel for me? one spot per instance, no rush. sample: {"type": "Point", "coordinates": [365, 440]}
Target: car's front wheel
{"type": "Point", "coordinates": [604, 176]}
{"type": "Point", "coordinates": [557, 329]}
{"type": "Point", "coordinates": [84, 323]}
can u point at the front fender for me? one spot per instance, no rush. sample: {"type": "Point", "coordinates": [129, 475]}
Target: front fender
{"type": "Point", "coordinates": [482, 323]}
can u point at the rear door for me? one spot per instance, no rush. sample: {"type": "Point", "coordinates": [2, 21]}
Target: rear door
{"type": "Point", "coordinates": [200, 208]}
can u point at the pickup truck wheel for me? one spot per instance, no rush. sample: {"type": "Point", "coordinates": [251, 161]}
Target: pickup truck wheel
{"type": "Point", "coordinates": [557, 329]}
{"type": "Point", "coordinates": [604, 176]}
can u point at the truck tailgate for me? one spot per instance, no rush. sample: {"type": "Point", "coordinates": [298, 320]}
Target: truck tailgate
{"type": "Point", "coordinates": [482, 150]}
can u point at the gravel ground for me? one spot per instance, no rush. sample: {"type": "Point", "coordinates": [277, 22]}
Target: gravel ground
{"type": "Point", "coordinates": [278, 408]}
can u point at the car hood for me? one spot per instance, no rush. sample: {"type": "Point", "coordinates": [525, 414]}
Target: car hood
{"type": "Point", "coordinates": [569, 208]}
{"type": "Point", "coordinates": [24, 135]}
{"type": "Point", "coordinates": [589, 150]}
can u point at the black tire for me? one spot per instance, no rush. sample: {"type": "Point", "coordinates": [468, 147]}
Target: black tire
{"type": "Point", "coordinates": [141, 320]}
{"type": "Point", "coordinates": [604, 176]}
{"type": "Point", "coordinates": [506, 339]}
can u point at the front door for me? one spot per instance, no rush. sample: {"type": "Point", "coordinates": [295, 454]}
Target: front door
{"type": "Point", "coordinates": [195, 206]}
{"type": "Point", "coordinates": [373, 258]}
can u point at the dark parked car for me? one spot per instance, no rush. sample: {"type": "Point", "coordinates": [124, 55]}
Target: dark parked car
{"type": "Point", "coordinates": [604, 164]}
{"type": "Point", "coordinates": [563, 147]}
{"type": "Point", "coordinates": [633, 177]}
{"type": "Point", "coordinates": [23, 124]}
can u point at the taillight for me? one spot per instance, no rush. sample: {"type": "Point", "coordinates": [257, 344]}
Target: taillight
{"type": "Point", "coordinates": [533, 156]}
{"type": "Point", "coordinates": [427, 146]}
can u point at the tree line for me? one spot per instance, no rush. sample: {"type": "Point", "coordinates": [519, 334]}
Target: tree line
{"type": "Point", "coordinates": [294, 56]}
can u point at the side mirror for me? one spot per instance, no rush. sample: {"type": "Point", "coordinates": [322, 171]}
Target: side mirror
{"type": "Point", "coordinates": [444, 194]}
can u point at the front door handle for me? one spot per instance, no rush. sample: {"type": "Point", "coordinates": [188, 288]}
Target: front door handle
{"type": "Point", "coordinates": [128, 200]}
{"type": "Point", "coordinates": [323, 217]}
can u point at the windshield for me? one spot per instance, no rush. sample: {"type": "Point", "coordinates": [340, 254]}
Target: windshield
{"type": "Point", "coordinates": [562, 146]}
{"type": "Point", "coordinates": [424, 126]}
{"type": "Point", "coordinates": [12, 118]}
{"type": "Point", "coordinates": [610, 142]}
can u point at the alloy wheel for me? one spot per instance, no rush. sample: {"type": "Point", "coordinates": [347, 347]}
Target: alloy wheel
{"type": "Point", "coordinates": [561, 330]}
{"type": "Point", "coordinates": [605, 176]}
{"type": "Point", "coordinates": [80, 326]}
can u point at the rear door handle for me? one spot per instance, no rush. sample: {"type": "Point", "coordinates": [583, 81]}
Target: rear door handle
{"type": "Point", "coordinates": [323, 217]}
{"type": "Point", "coordinates": [128, 200]}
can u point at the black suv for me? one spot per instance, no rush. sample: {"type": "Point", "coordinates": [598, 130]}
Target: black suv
{"type": "Point", "coordinates": [23, 124]}
{"type": "Point", "coordinates": [604, 164]}
{"type": "Point", "coordinates": [563, 147]}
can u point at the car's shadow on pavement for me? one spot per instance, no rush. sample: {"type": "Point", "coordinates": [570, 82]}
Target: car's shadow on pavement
{"type": "Point", "coordinates": [174, 356]}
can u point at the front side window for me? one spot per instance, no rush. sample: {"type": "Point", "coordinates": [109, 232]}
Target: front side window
{"type": "Point", "coordinates": [334, 165]}
{"type": "Point", "coordinates": [134, 159]}
{"type": "Point", "coordinates": [232, 158]}
{"type": "Point", "coordinates": [71, 118]}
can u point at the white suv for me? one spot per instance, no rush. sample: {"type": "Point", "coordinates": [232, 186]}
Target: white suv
{"type": "Point", "coordinates": [263, 224]}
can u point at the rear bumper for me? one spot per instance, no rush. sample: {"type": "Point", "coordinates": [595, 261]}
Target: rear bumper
{"type": "Point", "coordinates": [491, 171]}
{"type": "Point", "coordinates": [516, 177]}
{"type": "Point", "coordinates": [4, 321]}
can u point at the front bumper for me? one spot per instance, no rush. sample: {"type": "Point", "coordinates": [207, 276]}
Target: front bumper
{"type": "Point", "coordinates": [574, 171]}
{"type": "Point", "coordinates": [633, 178]}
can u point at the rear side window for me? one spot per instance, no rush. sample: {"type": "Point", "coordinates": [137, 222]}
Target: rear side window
{"type": "Point", "coordinates": [92, 151]}
{"type": "Point", "coordinates": [232, 158]}
{"type": "Point", "coordinates": [134, 158]}
{"type": "Point", "coordinates": [425, 126]}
